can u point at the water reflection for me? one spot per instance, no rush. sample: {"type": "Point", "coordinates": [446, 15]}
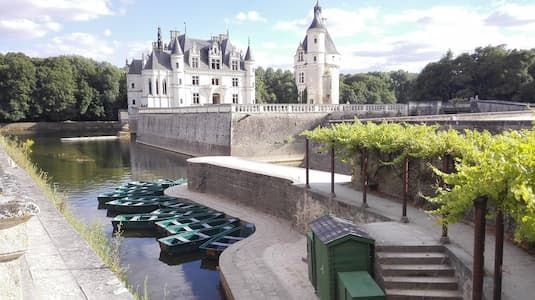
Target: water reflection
{"type": "Point", "coordinates": [84, 170]}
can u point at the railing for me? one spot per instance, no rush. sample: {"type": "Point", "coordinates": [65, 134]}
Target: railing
{"type": "Point", "coordinates": [280, 108]}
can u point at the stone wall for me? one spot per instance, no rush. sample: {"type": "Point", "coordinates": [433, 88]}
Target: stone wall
{"type": "Point", "coordinates": [194, 134]}
{"type": "Point", "coordinates": [272, 195]}
{"type": "Point", "coordinates": [268, 132]}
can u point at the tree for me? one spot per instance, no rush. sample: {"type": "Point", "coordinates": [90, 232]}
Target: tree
{"type": "Point", "coordinates": [17, 82]}
{"type": "Point", "coordinates": [55, 89]}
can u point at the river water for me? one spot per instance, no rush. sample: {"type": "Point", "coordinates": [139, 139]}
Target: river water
{"type": "Point", "coordinates": [85, 169]}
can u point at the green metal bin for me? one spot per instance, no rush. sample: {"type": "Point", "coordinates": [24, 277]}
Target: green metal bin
{"type": "Point", "coordinates": [358, 286]}
{"type": "Point", "coordinates": [311, 259]}
{"type": "Point", "coordinates": [337, 245]}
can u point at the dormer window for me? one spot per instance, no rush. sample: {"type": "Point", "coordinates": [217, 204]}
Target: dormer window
{"type": "Point", "coordinates": [300, 56]}
{"type": "Point", "coordinates": [194, 62]}
{"type": "Point", "coordinates": [234, 65]}
{"type": "Point", "coordinates": [216, 64]}
{"type": "Point", "coordinates": [215, 81]}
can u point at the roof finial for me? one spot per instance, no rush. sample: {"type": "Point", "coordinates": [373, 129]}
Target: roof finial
{"type": "Point", "coordinates": [185, 28]}
{"type": "Point", "coordinates": [248, 41]}
{"type": "Point", "coordinates": [159, 44]}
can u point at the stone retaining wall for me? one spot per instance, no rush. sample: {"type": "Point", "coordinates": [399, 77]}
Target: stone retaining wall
{"type": "Point", "coordinates": [272, 195]}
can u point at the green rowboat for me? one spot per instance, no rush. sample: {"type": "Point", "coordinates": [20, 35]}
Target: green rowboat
{"type": "Point", "coordinates": [162, 225]}
{"type": "Point", "coordinates": [136, 206]}
{"type": "Point", "coordinates": [109, 196]}
{"type": "Point", "coordinates": [176, 229]}
{"type": "Point", "coordinates": [146, 221]}
{"type": "Point", "coordinates": [189, 241]}
{"type": "Point", "coordinates": [213, 248]}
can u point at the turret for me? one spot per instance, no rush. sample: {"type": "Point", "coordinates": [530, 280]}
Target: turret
{"type": "Point", "coordinates": [316, 32]}
{"type": "Point", "coordinates": [177, 56]}
{"type": "Point", "coordinates": [248, 63]}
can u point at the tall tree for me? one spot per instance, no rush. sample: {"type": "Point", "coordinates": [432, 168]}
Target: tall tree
{"type": "Point", "coordinates": [55, 90]}
{"type": "Point", "coordinates": [17, 82]}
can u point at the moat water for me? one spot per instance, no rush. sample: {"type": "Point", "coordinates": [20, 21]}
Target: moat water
{"type": "Point", "coordinates": [85, 169]}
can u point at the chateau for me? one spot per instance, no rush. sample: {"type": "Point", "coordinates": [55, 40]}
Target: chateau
{"type": "Point", "coordinates": [189, 72]}
{"type": "Point", "coordinates": [317, 64]}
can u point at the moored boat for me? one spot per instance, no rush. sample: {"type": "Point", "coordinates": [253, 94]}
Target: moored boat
{"type": "Point", "coordinates": [161, 226]}
{"type": "Point", "coordinates": [146, 221]}
{"type": "Point", "coordinates": [189, 241]}
{"type": "Point", "coordinates": [148, 204]}
{"type": "Point", "coordinates": [215, 246]}
{"type": "Point", "coordinates": [109, 196]}
{"type": "Point", "coordinates": [176, 229]}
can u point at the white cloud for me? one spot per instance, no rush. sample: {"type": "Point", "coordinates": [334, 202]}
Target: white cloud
{"type": "Point", "coordinates": [248, 16]}
{"type": "Point", "coordinates": [370, 39]}
{"type": "Point", "coordinates": [107, 32]}
{"type": "Point", "coordinates": [340, 22]}
{"type": "Point", "coordinates": [35, 18]}
{"type": "Point", "coordinates": [79, 43]}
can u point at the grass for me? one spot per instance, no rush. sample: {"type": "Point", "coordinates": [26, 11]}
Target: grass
{"type": "Point", "coordinates": [93, 233]}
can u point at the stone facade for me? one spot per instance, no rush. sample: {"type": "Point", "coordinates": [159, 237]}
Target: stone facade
{"type": "Point", "coordinates": [189, 72]}
{"type": "Point", "coordinates": [317, 65]}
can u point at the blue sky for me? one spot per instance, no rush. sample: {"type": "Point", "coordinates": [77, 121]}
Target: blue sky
{"type": "Point", "coordinates": [371, 35]}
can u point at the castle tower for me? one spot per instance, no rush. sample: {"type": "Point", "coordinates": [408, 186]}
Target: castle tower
{"type": "Point", "coordinates": [317, 64]}
{"type": "Point", "coordinates": [248, 62]}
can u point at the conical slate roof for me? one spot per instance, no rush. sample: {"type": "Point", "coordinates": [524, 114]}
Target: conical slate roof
{"type": "Point", "coordinates": [175, 48]}
{"type": "Point", "coordinates": [249, 54]}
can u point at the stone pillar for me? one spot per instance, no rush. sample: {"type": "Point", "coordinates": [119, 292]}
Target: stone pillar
{"type": "Point", "coordinates": [13, 245]}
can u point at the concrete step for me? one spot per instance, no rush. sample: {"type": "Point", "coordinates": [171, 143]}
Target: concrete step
{"type": "Point", "coordinates": [419, 282]}
{"type": "Point", "coordinates": [412, 258]}
{"type": "Point", "coordinates": [416, 270]}
{"type": "Point", "coordinates": [409, 248]}
{"type": "Point", "coordinates": [403, 294]}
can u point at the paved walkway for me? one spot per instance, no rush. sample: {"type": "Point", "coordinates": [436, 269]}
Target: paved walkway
{"type": "Point", "coordinates": [58, 263]}
{"type": "Point", "coordinates": [267, 265]}
{"type": "Point", "coordinates": [518, 266]}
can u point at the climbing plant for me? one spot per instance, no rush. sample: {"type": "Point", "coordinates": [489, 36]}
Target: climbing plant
{"type": "Point", "coordinates": [500, 167]}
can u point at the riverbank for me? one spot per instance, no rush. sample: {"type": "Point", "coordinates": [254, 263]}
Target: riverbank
{"type": "Point", "coordinates": [57, 127]}
{"type": "Point", "coordinates": [58, 264]}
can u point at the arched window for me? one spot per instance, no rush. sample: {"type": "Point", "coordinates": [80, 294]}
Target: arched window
{"type": "Point", "coordinates": [157, 87]}
{"type": "Point", "coordinates": [164, 87]}
{"type": "Point", "coordinates": [150, 87]}
{"type": "Point", "coordinates": [315, 40]}
{"type": "Point", "coordinates": [133, 85]}
{"type": "Point", "coordinates": [177, 65]}
{"type": "Point", "coordinates": [315, 59]}
{"type": "Point", "coordinates": [133, 101]}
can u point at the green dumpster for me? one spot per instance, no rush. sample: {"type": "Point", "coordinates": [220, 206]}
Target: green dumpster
{"type": "Point", "coordinates": [336, 245]}
{"type": "Point", "coordinates": [358, 285]}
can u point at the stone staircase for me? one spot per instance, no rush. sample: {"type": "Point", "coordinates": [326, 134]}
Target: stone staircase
{"type": "Point", "coordinates": [416, 272]}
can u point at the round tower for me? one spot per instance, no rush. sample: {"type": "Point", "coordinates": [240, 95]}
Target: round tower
{"type": "Point", "coordinates": [248, 63]}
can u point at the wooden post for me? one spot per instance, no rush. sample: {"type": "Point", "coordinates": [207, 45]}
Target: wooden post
{"type": "Point", "coordinates": [404, 218]}
{"type": "Point", "coordinates": [498, 256]}
{"type": "Point", "coordinates": [332, 169]}
{"type": "Point", "coordinates": [307, 166]}
{"type": "Point", "coordinates": [480, 205]}
{"type": "Point", "coordinates": [445, 239]}
{"type": "Point", "coordinates": [364, 174]}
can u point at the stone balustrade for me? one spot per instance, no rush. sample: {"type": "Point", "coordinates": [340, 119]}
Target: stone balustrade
{"type": "Point", "coordinates": [401, 109]}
